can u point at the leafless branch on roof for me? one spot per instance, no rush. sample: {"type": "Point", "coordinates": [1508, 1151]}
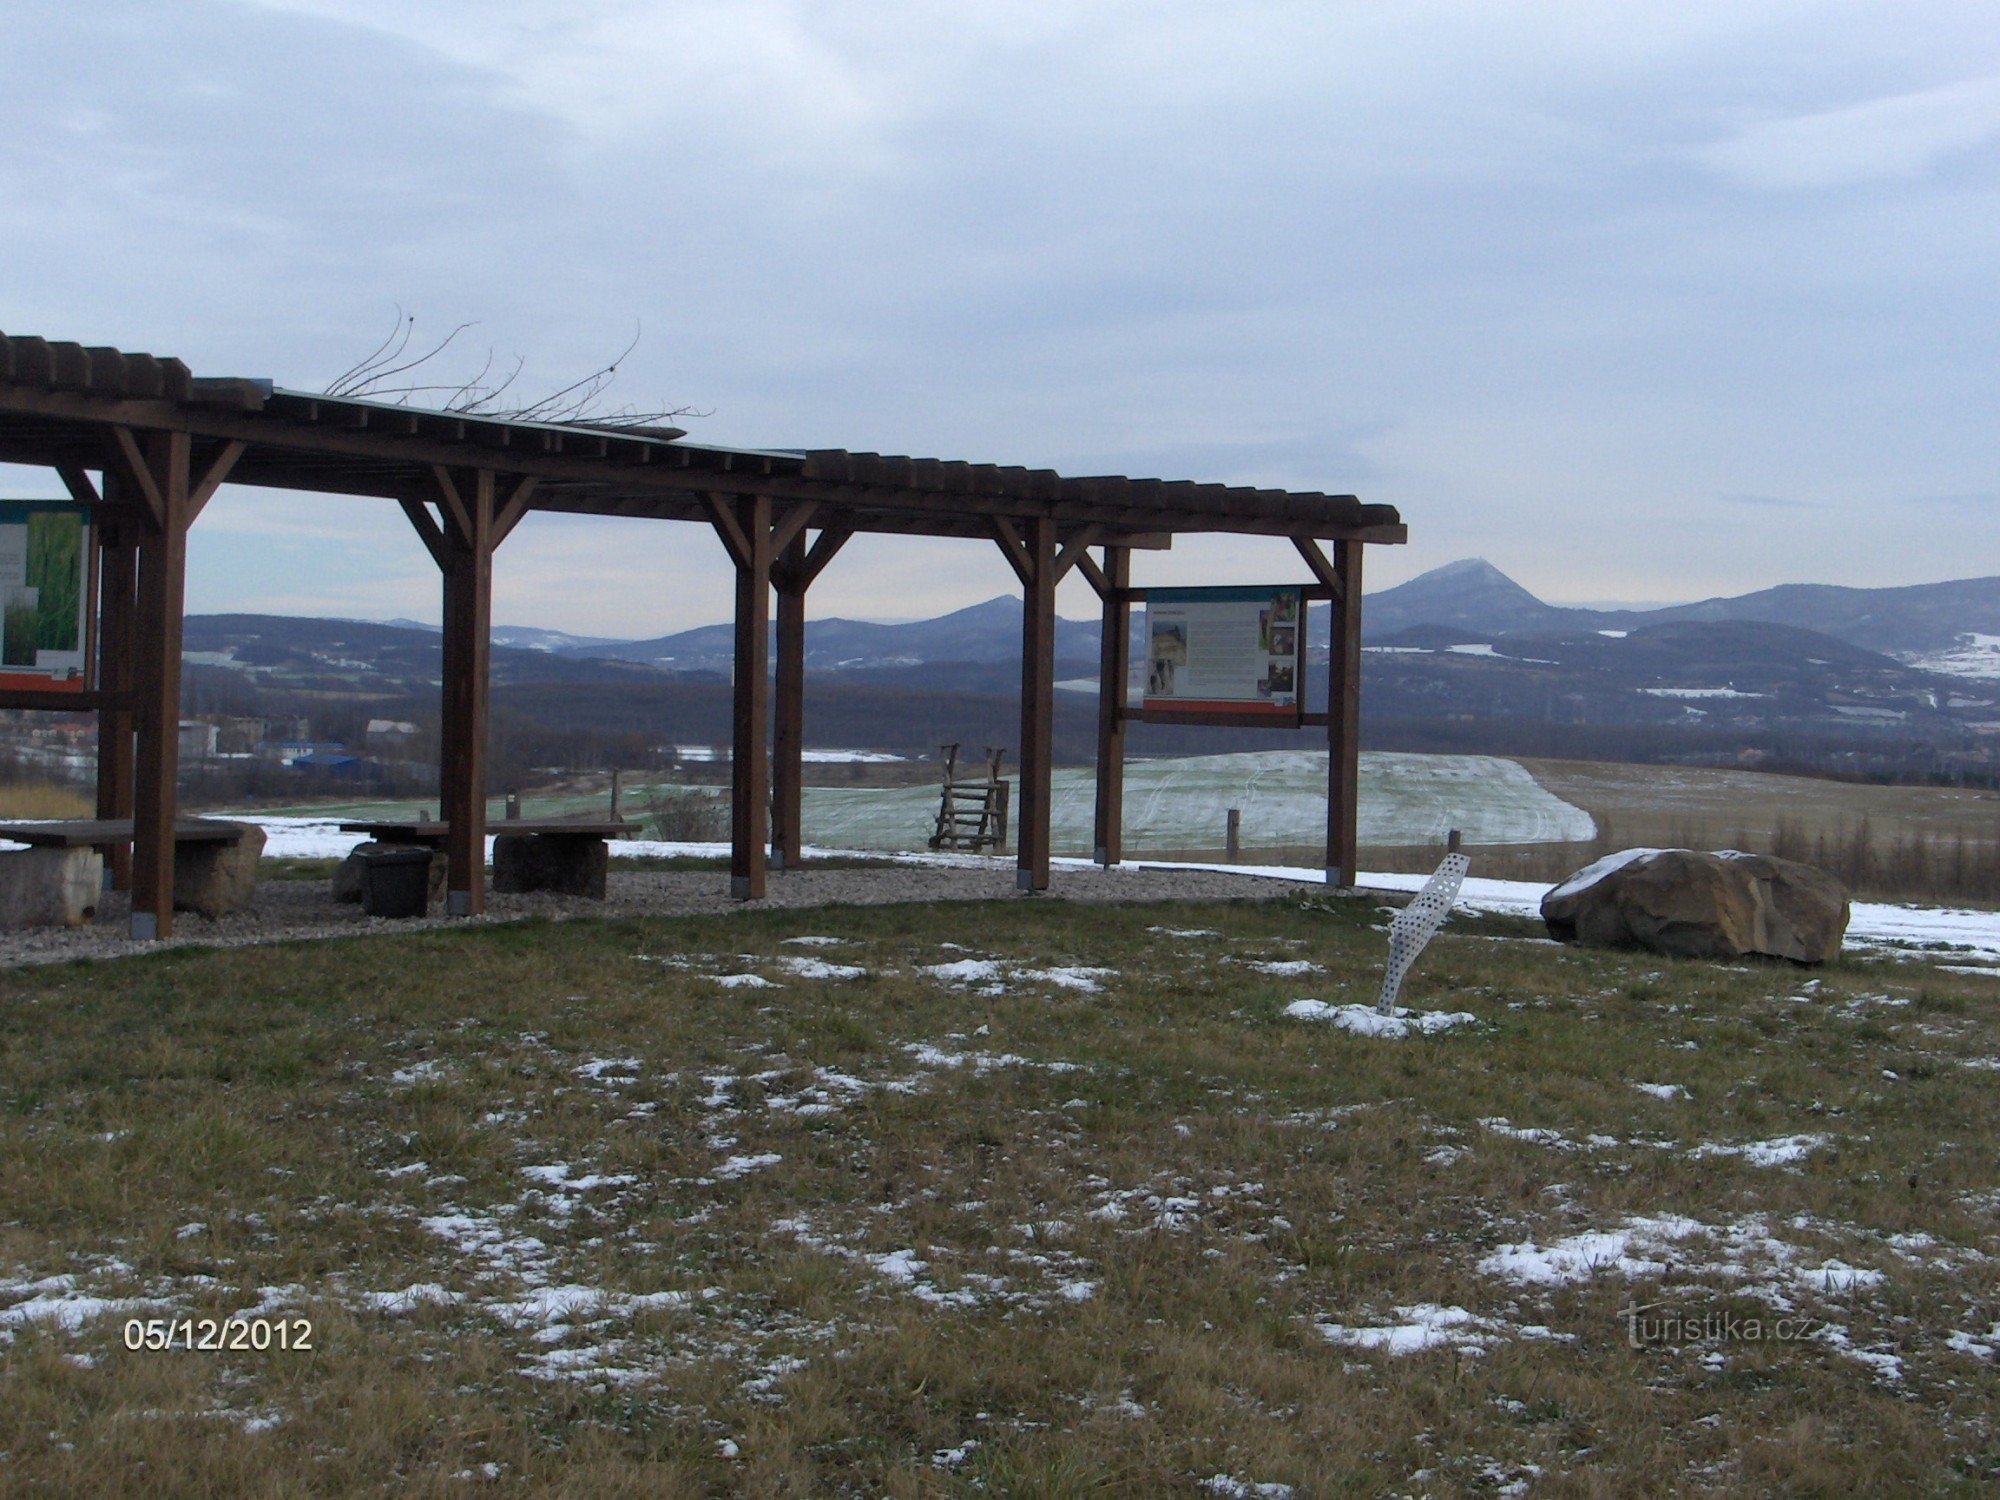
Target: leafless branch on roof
{"type": "Point", "coordinates": [580, 403]}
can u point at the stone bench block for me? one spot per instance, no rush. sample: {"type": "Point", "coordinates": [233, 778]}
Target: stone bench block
{"type": "Point", "coordinates": [347, 874]}
{"type": "Point", "coordinates": [568, 865]}
{"type": "Point", "coordinates": [50, 887]}
{"type": "Point", "coordinates": [215, 879]}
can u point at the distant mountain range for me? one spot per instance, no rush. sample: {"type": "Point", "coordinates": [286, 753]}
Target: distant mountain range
{"type": "Point", "coordinates": [1940, 627]}
{"type": "Point", "coordinates": [1882, 680]}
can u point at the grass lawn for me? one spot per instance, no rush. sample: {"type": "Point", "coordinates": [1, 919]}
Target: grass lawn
{"type": "Point", "coordinates": [1026, 1198]}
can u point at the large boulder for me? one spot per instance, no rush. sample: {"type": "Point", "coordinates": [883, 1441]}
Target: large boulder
{"type": "Point", "coordinates": [347, 874]}
{"type": "Point", "coordinates": [49, 887]}
{"type": "Point", "coordinates": [568, 864]}
{"type": "Point", "coordinates": [1694, 905]}
{"type": "Point", "coordinates": [215, 879]}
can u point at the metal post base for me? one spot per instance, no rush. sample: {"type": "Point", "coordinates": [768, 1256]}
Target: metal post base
{"type": "Point", "coordinates": [776, 863]}
{"type": "Point", "coordinates": [739, 887]}
{"type": "Point", "coordinates": [145, 927]}
{"type": "Point", "coordinates": [458, 903]}
{"type": "Point", "coordinates": [1024, 880]}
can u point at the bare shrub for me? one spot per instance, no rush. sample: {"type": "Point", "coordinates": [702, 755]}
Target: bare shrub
{"type": "Point", "coordinates": [686, 815]}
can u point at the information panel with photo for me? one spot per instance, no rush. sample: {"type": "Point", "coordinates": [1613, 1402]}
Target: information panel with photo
{"type": "Point", "coordinates": [44, 570]}
{"type": "Point", "coordinates": [1230, 652]}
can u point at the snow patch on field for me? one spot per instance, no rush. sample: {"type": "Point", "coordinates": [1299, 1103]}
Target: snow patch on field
{"type": "Point", "coordinates": [1973, 655]}
{"type": "Point", "coordinates": [1366, 1020]}
{"type": "Point", "coordinates": [1182, 803]}
{"type": "Point", "coordinates": [1779, 1152]}
{"type": "Point", "coordinates": [1420, 1327]}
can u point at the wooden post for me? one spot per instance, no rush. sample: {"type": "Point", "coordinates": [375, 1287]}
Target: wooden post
{"type": "Point", "coordinates": [1343, 717]}
{"type": "Point", "coordinates": [470, 523]}
{"type": "Point", "coordinates": [1114, 660]}
{"type": "Point", "coordinates": [467, 565]}
{"type": "Point", "coordinates": [117, 534]}
{"type": "Point", "coordinates": [1038, 680]}
{"type": "Point", "coordinates": [162, 475]}
{"type": "Point", "coordinates": [749, 767]}
{"type": "Point", "coordinates": [789, 708]}
{"type": "Point", "coordinates": [1232, 834]}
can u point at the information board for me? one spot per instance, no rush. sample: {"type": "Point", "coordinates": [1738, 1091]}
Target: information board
{"type": "Point", "coordinates": [44, 571]}
{"type": "Point", "coordinates": [1234, 653]}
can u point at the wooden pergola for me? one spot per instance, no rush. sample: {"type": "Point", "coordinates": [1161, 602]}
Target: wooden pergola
{"type": "Point", "coordinates": [145, 445]}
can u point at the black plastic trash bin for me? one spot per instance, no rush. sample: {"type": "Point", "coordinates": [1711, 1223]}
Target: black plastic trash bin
{"type": "Point", "coordinates": [395, 882]}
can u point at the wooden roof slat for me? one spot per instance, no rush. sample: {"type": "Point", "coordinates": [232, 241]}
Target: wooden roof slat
{"type": "Point", "coordinates": [58, 401]}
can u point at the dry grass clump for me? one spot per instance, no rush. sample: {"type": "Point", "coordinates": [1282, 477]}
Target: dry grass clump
{"type": "Point", "coordinates": [28, 801]}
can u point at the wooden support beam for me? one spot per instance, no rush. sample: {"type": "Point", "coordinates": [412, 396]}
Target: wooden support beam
{"type": "Point", "coordinates": [788, 706]}
{"type": "Point", "coordinates": [77, 482]}
{"type": "Point", "coordinates": [117, 540]}
{"type": "Point", "coordinates": [1094, 575]}
{"type": "Point", "coordinates": [730, 528]}
{"type": "Point", "coordinates": [1076, 550]}
{"type": "Point", "coordinates": [135, 465]}
{"type": "Point", "coordinates": [1324, 571]}
{"type": "Point", "coordinates": [510, 514]}
{"type": "Point", "coordinates": [1014, 549]}
{"type": "Point", "coordinates": [1114, 661]}
{"type": "Point", "coordinates": [749, 770]}
{"type": "Point", "coordinates": [202, 490]}
{"type": "Point", "coordinates": [427, 528]}
{"type": "Point", "coordinates": [450, 504]}
{"type": "Point", "coordinates": [1343, 717]}
{"type": "Point", "coordinates": [160, 596]}
{"type": "Point", "coordinates": [792, 523]}
{"type": "Point", "coordinates": [826, 546]}
{"type": "Point", "coordinates": [468, 628]}
{"type": "Point", "coordinates": [1038, 706]}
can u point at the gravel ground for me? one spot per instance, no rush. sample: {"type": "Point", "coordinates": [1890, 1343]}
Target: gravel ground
{"type": "Point", "coordinates": [291, 909]}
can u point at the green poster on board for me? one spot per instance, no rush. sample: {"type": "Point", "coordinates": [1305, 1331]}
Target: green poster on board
{"type": "Point", "coordinates": [44, 576]}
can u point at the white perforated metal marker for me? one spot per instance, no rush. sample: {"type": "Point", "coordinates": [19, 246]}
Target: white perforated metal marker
{"type": "Point", "coordinates": [1416, 923]}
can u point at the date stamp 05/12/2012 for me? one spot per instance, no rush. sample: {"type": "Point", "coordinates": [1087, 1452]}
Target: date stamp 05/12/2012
{"type": "Point", "coordinates": [220, 1335]}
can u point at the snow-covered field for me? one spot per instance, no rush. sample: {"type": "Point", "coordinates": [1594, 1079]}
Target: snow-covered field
{"type": "Point", "coordinates": [1975, 655]}
{"type": "Point", "coordinates": [1184, 803]}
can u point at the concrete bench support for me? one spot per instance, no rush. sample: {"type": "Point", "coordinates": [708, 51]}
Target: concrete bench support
{"type": "Point", "coordinates": [216, 877]}
{"type": "Point", "coordinates": [50, 887]}
{"type": "Point", "coordinates": [568, 864]}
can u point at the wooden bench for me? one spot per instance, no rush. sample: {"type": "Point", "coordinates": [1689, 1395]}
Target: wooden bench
{"type": "Point", "coordinates": [215, 863]}
{"type": "Point", "coordinates": [567, 855]}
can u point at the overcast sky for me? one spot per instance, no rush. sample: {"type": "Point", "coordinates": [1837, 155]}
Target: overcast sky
{"type": "Point", "coordinates": [1639, 302]}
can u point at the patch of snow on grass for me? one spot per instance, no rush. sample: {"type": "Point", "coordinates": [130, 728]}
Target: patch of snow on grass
{"type": "Point", "coordinates": [743, 1166]}
{"type": "Point", "coordinates": [1663, 1090]}
{"type": "Point", "coordinates": [965, 971]}
{"type": "Point", "coordinates": [410, 1298]}
{"type": "Point", "coordinates": [1772, 1153]}
{"type": "Point", "coordinates": [1073, 977]}
{"type": "Point", "coordinates": [56, 1302]}
{"type": "Point", "coordinates": [1423, 1326]}
{"type": "Point", "coordinates": [1285, 967]}
{"type": "Point", "coordinates": [816, 968]}
{"type": "Point", "coordinates": [745, 982]}
{"type": "Point", "coordinates": [1627, 1251]}
{"type": "Point", "coordinates": [1231, 1488]}
{"type": "Point", "coordinates": [1365, 1020]}
{"type": "Point", "coordinates": [558, 1177]}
